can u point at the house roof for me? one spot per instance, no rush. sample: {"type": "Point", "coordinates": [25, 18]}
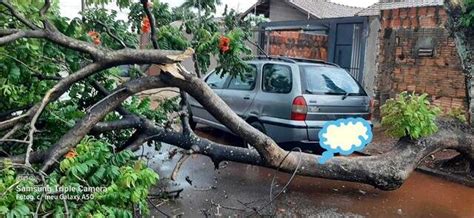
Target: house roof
{"type": "Point", "coordinates": [324, 8]}
{"type": "Point", "coordinates": [375, 9]}
{"type": "Point", "coordinates": [316, 8]}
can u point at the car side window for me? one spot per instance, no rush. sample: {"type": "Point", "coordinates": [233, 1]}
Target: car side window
{"type": "Point", "coordinates": [216, 81]}
{"type": "Point", "coordinates": [276, 78]}
{"type": "Point", "coordinates": [246, 81]}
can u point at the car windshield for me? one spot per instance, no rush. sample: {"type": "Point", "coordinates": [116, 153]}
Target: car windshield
{"type": "Point", "coordinates": [329, 80]}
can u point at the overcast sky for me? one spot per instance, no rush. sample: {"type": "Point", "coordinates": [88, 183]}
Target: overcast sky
{"type": "Point", "coordinates": [70, 8]}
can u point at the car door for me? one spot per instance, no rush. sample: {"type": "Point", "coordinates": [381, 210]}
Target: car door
{"type": "Point", "coordinates": [240, 91]}
{"type": "Point", "coordinates": [216, 82]}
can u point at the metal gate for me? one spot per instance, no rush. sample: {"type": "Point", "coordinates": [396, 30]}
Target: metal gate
{"type": "Point", "coordinates": [345, 39]}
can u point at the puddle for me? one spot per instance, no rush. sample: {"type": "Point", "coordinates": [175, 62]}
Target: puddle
{"type": "Point", "coordinates": [236, 188]}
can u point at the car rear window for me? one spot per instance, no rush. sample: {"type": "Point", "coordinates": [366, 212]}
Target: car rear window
{"type": "Point", "coordinates": [329, 80]}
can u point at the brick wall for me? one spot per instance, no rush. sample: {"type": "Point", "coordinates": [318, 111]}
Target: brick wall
{"type": "Point", "coordinates": [403, 32]}
{"type": "Point", "coordinates": [298, 44]}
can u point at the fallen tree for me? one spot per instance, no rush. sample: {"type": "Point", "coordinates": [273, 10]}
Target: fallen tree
{"type": "Point", "coordinates": [386, 171]}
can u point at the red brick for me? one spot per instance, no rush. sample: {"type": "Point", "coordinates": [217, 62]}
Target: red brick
{"type": "Point", "coordinates": [442, 11]}
{"type": "Point", "coordinates": [458, 101]}
{"type": "Point", "coordinates": [420, 89]}
{"type": "Point", "coordinates": [440, 62]}
{"type": "Point", "coordinates": [387, 23]}
{"type": "Point", "coordinates": [422, 11]}
{"type": "Point", "coordinates": [411, 61]}
{"type": "Point", "coordinates": [406, 23]}
{"type": "Point", "coordinates": [412, 12]}
{"type": "Point", "coordinates": [396, 23]}
{"type": "Point", "coordinates": [411, 88]}
{"type": "Point", "coordinates": [428, 22]}
{"type": "Point", "coordinates": [398, 51]}
{"type": "Point", "coordinates": [461, 93]}
{"type": "Point", "coordinates": [402, 87]}
{"type": "Point", "coordinates": [427, 62]}
{"type": "Point", "coordinates": [396, 13]}
{"type": "Point", "coordinates": [414, 22]}
{"type": "Point", "coordinates": [431, 90]}
{"type": "Point", "coordinates": [404, 12]}
{"type": "Point", "coordinates": [431, 11]}
{"type": "Point", "coordinates": [397, 71]}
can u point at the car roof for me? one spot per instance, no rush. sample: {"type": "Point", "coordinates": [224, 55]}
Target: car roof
{"type": "Point", "coordinates": [291, 60]}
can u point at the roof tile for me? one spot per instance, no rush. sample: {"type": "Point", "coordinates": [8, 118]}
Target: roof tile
{"type": "Point", "coordinates": [325, 8]}
{"type": "Point", "coordinates": [375, 9]}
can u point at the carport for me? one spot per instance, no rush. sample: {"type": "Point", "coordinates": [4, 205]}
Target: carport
{"type": "Point", "coordinates": [338, 40]}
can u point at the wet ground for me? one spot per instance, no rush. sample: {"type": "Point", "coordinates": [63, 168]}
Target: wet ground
{"type": "Point", "coordinates": [242, 190]}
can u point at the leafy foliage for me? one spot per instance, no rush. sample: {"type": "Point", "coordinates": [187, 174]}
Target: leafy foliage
{"type": "Point", "coordinates": [10, 206]}
{"type": "Point", "coordinates": [458, 114]}
{"type": "Point", "coordinates": [102, 182]}
{"type": "Point", "coordinates": [31, 67]}
{"type": "Point", "coordinates": [161, 12]}
{"type": "Point", "coordinates": [409, 115]}
{"type": "Point", "coordinates": [100, 19]}
{"type": "Point", "coordinates": [467, 17]}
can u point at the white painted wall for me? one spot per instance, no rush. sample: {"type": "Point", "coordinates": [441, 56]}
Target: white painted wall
{"type": "Point", "coordinates": [71, 9]}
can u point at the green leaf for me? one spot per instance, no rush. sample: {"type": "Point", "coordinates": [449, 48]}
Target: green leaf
{"type": "Point", "coordinates": [14, 72]}
{"type": "Point", "coordinates": [3, 210]}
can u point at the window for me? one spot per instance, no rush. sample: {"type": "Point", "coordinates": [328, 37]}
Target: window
{"type": "Point", "coordinates": [246, 81]}
{"type": "Point", "coordinates": [216, 81]}
{"type": "Point", "coordinates": [276, 78]}
{"type": "Point", "coordinates": [329, 80]}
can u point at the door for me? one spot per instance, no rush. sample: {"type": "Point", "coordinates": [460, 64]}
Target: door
{"type": "Point", "coordinates": [216, 83]}
{"type": "Point", "coordinates": [343, 49]}
{"type": "Point", "coordinates": [240, 92]}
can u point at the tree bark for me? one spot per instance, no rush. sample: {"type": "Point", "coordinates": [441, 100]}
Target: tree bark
{"type": "Point", "coordinates": [97, 113]}
{"type": "Point", "coordinates": [386, 171]}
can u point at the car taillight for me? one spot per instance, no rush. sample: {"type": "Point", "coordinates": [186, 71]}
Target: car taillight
{"type": "Point", "coordinates": [371, 109]}
{"type": "Point", "coordinates": [299, 109]}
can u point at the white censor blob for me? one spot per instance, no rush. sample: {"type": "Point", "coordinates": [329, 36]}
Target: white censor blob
{"type": "Point", "coordinates": [344, 136]}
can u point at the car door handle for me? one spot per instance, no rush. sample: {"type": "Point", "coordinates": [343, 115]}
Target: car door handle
{"type": "Point", "coordinates": [247, 97]}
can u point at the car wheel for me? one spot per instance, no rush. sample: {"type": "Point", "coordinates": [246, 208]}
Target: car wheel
{"type": "Point", "coordinates": [257, 125]}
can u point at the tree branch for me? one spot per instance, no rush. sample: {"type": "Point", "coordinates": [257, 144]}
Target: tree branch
{"type": "Point", "coordinates": [199, 90]}
{"type": "Point", "coordinates": [82, 127]}
{"type": "Point", "coordinates": [184, 116]}
{"type": "Point", "coordinates": [104, 92]}
{"type": "Point", "coordinates": [18, 34]}
{"type": "Point", "coordinates": [8, 113]}
{"type": "Point", "coordinates": [18, 16]}
{"type": "Point", "coordinates": [386, 171]}
{"type": "Point", "coordinates": [45, 8]}
{"type": "Point", "coordinates": [138, 138]}
{"type": "Point", "coordinates": [151, 18]}
{"type": "Point", "coordinates": [116, 38]}
{"type": "Point", "coordinates": [127, 122]}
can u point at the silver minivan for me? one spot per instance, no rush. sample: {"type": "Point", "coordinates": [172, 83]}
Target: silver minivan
{"type": "Point", "coordinates": [286, 98]}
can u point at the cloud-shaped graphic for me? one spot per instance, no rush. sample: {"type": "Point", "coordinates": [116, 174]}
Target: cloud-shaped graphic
{"type": "Point", "coordinates": [344, 136]}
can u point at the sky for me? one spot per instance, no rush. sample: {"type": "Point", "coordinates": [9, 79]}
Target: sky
{"type": "Point", "coordinates": [70, 8]}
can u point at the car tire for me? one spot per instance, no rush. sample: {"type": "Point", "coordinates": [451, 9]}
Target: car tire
{"type": "Point", "coordinates": [257, 125]}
